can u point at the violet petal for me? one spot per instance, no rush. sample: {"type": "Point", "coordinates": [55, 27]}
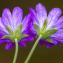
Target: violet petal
{"type": "Point", "coordinates": [2, 34]}
{"type": "Point", "coordinates": [28, 25]}
{"type": "Point", "coordinates": [17, 15]}
{"type": "Point", "coordinates": [46, 43]}
{"type": "Point", "coordinates": [9, 46]}
{"type": "Point", "coordinates": [4, 41]}
{"type": "Point", "coordinates": [59, 24]}
{"type": "Point", "coordinates": [2, 27]}
{"type": "Point", "coordinates": [41, 14]}
{"type": "Point", "coordinates": [6, 17]}
{"type": "Point", "coordinates": [53, 16]}
{"type": "Point", "coordinates": [25, 40]}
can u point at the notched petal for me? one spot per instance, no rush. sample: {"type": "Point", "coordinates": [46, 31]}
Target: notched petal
{"type": "Point", "coordinates": [17, 15]}
{"type": "Point", "coordinates": [53, 16]}
{"type": "Point", "coordinates": [6, 17]}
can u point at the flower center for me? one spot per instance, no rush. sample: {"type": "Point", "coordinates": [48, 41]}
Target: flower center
{"type": "Point", "coordinates": [14, 34]}
{"type": "Point", "coordinates": [44, 32]}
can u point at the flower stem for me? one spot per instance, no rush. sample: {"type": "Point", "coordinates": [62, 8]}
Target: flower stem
{"type": "Point", "coordinates": [16, 51]}
{"type": "Point", "coordinates": [32, 50]}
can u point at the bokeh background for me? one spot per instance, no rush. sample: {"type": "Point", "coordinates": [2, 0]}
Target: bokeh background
{"type": "Point", "coordinates": [41, 54]}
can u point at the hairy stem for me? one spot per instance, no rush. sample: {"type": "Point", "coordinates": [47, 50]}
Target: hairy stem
{"type": "Point", "coordinates": [32, 50]}
{"type": "Point", "coordinates": [16, 51]}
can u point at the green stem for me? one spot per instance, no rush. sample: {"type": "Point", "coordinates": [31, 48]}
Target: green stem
{"type": "Point", "coordinates": [16, 51]}
{"type": "Point", "coordinates": [32, 50]}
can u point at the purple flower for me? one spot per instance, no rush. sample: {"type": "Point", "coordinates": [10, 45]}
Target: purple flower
{"type": "Point", "coordinates": [13, 26]}
{"type": "Point", "coordinates": [50, 26]}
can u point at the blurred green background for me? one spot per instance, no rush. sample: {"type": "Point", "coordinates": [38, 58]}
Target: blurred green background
{"type": "Point", "coordinates": [41, 54]}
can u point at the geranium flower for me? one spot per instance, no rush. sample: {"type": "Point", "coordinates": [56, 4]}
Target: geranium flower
{"type": "Point", "coordinates": [13, 29]}
{"type": "Point", "coordinates": [49, 28]}
{"type": "Point", "coordinates": [13, 26]}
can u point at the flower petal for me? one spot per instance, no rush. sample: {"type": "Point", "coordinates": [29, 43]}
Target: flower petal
{"type": "Point", "coordinates": [49, 45]}
{"type": "Point", "coordinates": [6, 17]}
{"type": "Point", "coordinates": [2, 27]}
{"type": "Point", "coordinates": [4, 41]}
{"type": "Point", "coordinates": [54, 41]}
{"type": "Point", "coordinates": [17, 15]}
{"type": "Point", "coordinates": [34, 18]}
{"type": "Point", "coordinates": [27, 24]}
{"type": "Point", "coordinates": [25, 40]}
{"type": "Point", "coordinates": [58, 35]}
{"type": "Point", "coordinates": [59, 24]}
{"type": "Point", "coordinates": [53, 16]}
{"type": "Point", "coordinates": [41, 14]}
{"type": "Point", "coordinates": [2, 34]}
{"type": "Point", "coordinates": [46, 43]}
{"type": "Point", "coordinates": [9, 46]}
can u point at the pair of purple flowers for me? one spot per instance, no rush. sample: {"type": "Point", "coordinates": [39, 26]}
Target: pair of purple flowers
{"type": "Point", "coordinates": [14, 26]}
{"type": "Point", "coordinates": [36, 23]}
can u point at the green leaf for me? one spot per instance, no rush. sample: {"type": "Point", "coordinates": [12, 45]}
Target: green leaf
{"type": "Point", "coordinates": [49, 40]}
{"type": "Point", "coordinates": [9, 29]}
{"type": "Point", "coordinates": [37, 29]}
{"type": "Point", "coordinates": [44, 25]}
{"type": "Point", "coordinates": [6, 36]}
{"type": "Point", "coordinates": [48, 33]}
{"type": "Point", "coordinates": [51, 31]}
